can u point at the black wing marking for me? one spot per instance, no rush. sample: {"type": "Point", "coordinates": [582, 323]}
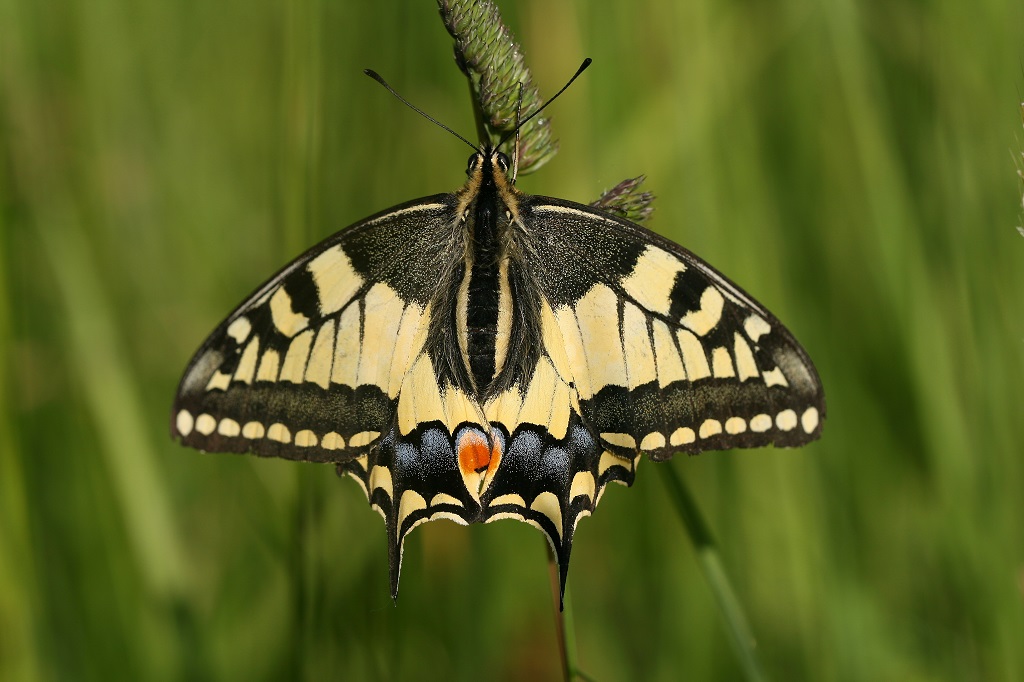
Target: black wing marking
{"type": "Point", "coordinates": [552, 480]}
{"type": "Point", "coordinates": [665, 353]}
{"type": "Point", "coordinates": [413, 478]}
{"type": "Point", "coordinates": [310, 365]}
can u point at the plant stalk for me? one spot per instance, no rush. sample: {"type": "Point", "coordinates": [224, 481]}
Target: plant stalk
{"type": "Point", "coordinates": [737, 626]}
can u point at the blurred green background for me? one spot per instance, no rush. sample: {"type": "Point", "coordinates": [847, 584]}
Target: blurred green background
{"type": "Point", "coordinates": [853, 165]}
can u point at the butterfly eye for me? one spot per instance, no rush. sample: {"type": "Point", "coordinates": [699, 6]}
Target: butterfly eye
{"type": "Point", "coordinates": [503, 162]}
{"type": "Point", "coordinates": [472, 163]}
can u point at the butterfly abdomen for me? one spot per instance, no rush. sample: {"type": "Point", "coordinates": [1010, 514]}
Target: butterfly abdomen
{"type": "Point", "coordinates": [483, 298]}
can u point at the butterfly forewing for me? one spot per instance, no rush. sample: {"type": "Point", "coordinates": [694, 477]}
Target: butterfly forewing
{"type": "Point", "coordinates": [664, 352]}
{"type": "Point", "coordinates": [309, 367]}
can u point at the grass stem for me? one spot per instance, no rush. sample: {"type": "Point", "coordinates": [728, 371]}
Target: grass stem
{"type": "Point", "coordinates": [737, 626]}
{"type": "Point", "coordinates": [565, 626]}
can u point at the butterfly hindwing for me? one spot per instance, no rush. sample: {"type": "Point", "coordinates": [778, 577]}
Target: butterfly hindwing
{"type": "Point", "coordinates": [309, 367]}
{"type": "Point", "coordinates": [553, 467]}
{"type": "Point", "coordinates": [412, 478]}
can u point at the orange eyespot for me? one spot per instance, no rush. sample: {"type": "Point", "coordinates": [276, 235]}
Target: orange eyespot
{"type": "Point", "coordinates": [474, 453]}
{"type": "Point", "coordinates": [475, 456]}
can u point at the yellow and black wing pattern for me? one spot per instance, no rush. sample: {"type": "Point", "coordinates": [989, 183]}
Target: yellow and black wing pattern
{"type": "Point", "coordinates": [310, 365]}
{"type": "Point", "coordinates": [488, 354]}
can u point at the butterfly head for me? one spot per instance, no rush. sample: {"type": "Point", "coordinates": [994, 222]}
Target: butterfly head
{"type": "Point", "coordinates": [488, 157]}
{"type": "Point", "coordinates": [490, 170]}
{"type": "Point", "coordinates": [491, 177]}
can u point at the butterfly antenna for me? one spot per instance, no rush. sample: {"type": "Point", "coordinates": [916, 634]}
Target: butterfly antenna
{"type": "Point", "coordinates": [583, 67]}
{"type": "Point", "coordinates": [377, 77]}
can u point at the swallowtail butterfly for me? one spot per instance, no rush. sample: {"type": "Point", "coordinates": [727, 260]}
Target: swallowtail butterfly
{"type": "Point", "coordinates": [489, 354]}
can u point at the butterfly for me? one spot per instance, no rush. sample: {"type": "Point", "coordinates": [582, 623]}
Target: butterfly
{"type": "Point", "coordinates": [488, 354]}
